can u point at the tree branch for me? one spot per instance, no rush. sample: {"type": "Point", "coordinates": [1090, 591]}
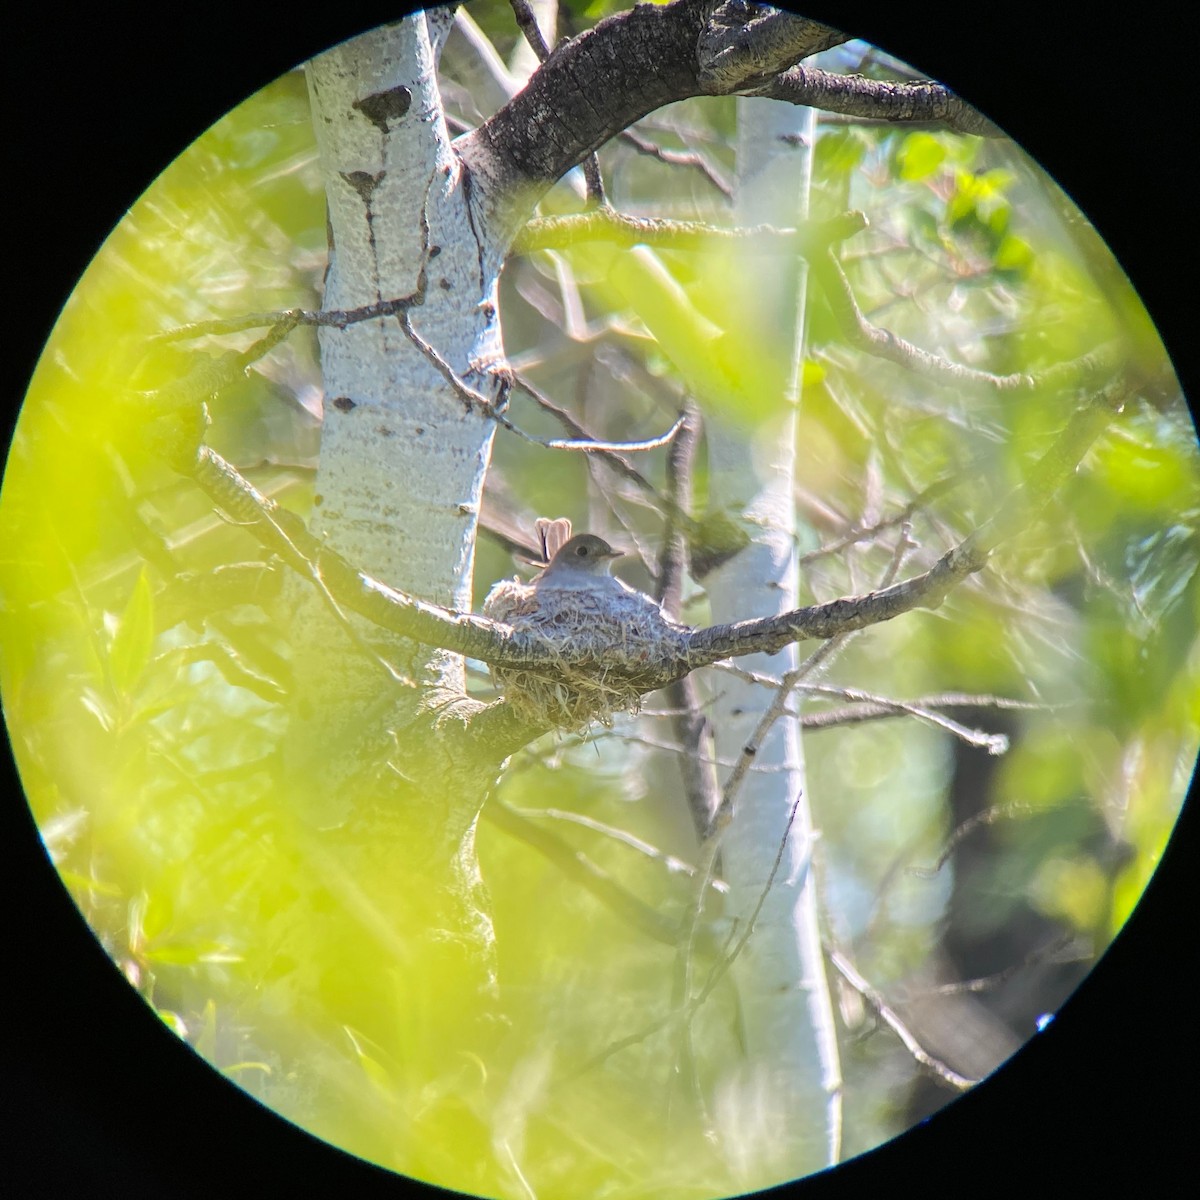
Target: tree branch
{"type": "Point", "coordinates": [678, 158]}
{"type": "Point", "coordinates": [921, 100]}
{"type": "Point", "coordinates": [496, 643]}
{"type": "Point", "coordinates": [588, 90]}
{"type": "Point", "coordinates": [808, 240]}
{"type": "Point", "coordinates": [929, 589]}
{"type": "Point", "coordinates": [744, 42]}
{"type": "Point", "coordinates": [584, 871]}
{"type": "Point", "coordinates": [527, 23]}
{"type": "Point", "coordinates": [882, 343]}
{"type": "Point", "coordinates": [938, 1069]}
{"type": "Point", "coordinates": [596, 85]}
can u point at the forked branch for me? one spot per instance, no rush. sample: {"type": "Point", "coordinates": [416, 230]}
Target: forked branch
{"type": "Point", "coordinates": [498, 644]}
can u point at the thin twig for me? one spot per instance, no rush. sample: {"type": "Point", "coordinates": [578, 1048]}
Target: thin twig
{"type": "Point", "coordinates": [592, 446]}
{"type": "Point", "coordinates": [580, 869]}
{"type": "Point", "coordinates": [809, 239]}
{"type": "Point", "coordinates": [778, 706]}
{"type": "Point", "coordinates": [727, 960]}
{"type": "Point", "coordinates": [528, 25]}
{"type": "Point", "coordinates": [721, 967]}
{"type": "Point", "coordinates": [610, 457]}
{"type": "Point", "coordinates": [678, 158]}
{"type": "Point", "coordinates": [929, 589]}
{"type": "Point", "coordinates": [863, 533]}
{"type": "Point", "coordinates": [672, 863]}
{"type": "Point", "coordinates": [475, 400]}
{"type": "Point", "coordinates": [1052, 951]}
{"type": "Point", "coordinates": [289, 318]}
{"type": "Point", "coordinates": [993, 743]}
{"type": "Point", "coordinates": [882, 343]}
{"type": "Point", "coordinates": [884, 1011]}
{"type": "Point", "coordinates": [989, 816]}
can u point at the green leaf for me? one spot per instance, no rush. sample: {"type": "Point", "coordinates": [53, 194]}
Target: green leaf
{"type": "Point", "coordinates": [188, 954]}
{"type": "Point", "coordinates": [1013, 254]}
{"type": "Point", "coordinates": [839, 152]}
{"type": "Point", "coordinates": [920, 156]}
{"type": "Point", "coordinates": [1074, 889]}
{"type": "Point", "coordinates": [174, 1022]}
{"type": "Point", "coordinates": [133, 638]}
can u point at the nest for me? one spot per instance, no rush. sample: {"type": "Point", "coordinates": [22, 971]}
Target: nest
{"type": "Point", "coordinates": [616, 628]}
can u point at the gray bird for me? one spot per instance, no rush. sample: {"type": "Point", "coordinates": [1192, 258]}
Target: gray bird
{"type": "Point", "coordinates": [580, 563]}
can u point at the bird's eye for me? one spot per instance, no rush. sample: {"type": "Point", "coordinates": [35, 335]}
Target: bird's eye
{"type": "Point", "coordinates": [582, 551]}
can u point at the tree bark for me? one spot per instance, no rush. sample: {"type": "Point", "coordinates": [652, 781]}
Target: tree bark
{"type": "Point", "coordinates": [792, 1053]}
{"type": "Point", "coordinates": [376, 751]}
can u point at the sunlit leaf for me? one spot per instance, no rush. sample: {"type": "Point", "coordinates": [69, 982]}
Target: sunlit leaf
{"type": "Point", "coordinates": [133, 638]}
{"type": "Point", "coordinates": [920, 155]}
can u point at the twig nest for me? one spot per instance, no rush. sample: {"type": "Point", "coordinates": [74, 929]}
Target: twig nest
{"type": "Point", "coordinates": [617, 628]}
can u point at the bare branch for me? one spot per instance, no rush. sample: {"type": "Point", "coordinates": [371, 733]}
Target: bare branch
{"type": "Point", "coordinates": [920, 100]}
{"type": "Point", "coordinates": [733, 51]}
{"type": "Point", "coordinates": [608, 453]}
{"type": "Point", "coordinates": [475, 400]}
{"type": "Point", "coordinates": [580, 869]}
{"type": "Point", "coordinates": [1066, 948]}
{"type": "Point", "coordinates": [989, 816]}
{"type": "Point", "coordinates": [882, 343]}
{"type": "Point", "coordinates": [863, 533]}
{"type": "Point", "coordinates": [592, 447]}
{"type": "Point", "coordinates": [776, 709]}
{"type": "Point", "coordinates": [929, 589]}
{"type": "Point", "coordinates": [993, 743]}
{"type": "Point", "coordinates": [884, 1011]}
{"type": "Point", "coordinates": [678, 158]}
{"type": "Point", "coordinates": [673, 864]}
{"type": "Point", "coordinates": [778, 706]}
{"type": "Point", "coordinates": [285, 534]}
{"type": "Point", "coordinates": [673, 657]}
{"type": "Point", "coordinates": [527, 23]}
{"type": "Point", "coordinates": [607, 225]}
{"type": "Point", "coordinates": [289, 318]}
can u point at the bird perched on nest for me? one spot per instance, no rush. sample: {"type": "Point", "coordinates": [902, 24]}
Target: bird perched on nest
{"type": "Point", "coordinates": [575, 604]}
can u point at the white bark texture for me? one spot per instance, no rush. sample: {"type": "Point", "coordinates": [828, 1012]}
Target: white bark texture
{"type": "Point", "coordinates": [790, 1078]}
{"type": "Point", "coordinates": [403, 459]}
{"type": "Point", "coordinates": [402, 471]}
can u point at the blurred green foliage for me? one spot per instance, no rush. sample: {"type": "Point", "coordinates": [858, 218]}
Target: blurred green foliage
{"type": "Point", "coordinates": [147, 718]}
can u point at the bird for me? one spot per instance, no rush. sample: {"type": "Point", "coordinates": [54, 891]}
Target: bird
{"type": "Point", "coordinates": [576, 604]}
{"type": "Point", "coordinates": [581, 562]}
{"type": "Point", "coordinates": [574, 587]}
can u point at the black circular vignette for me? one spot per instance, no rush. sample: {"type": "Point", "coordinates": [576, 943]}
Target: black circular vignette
{"type": "Point", "coordinates": [97, 1093]}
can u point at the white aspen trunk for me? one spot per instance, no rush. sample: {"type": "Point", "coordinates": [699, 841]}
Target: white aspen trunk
{"type": "Point", "coordinates": [784, 1098]}
{"type": "Point", "coordinates": [390, 812]}
{"type": "Point", "coordinates": [401, 472]}
{"type": "Point", "coordinates": [402, 459]}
